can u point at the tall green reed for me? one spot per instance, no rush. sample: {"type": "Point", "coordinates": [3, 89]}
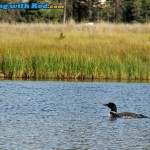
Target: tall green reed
{"type": "Point", "coordinates": [102, 51]}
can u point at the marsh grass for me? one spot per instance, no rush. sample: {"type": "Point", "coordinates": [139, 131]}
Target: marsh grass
{"type": "Point", "coordinates": [109, 51]}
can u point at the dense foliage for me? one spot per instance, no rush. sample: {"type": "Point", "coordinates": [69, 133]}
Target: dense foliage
{"type": "Point", "coordinates": [82, 10]}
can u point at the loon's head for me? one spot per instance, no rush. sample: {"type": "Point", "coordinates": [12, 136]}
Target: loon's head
{"type": "Point", "coordinates": [112, 106]}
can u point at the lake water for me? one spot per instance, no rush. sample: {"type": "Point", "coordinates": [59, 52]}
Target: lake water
{"type": "Point", "coordinates": [44, 115]}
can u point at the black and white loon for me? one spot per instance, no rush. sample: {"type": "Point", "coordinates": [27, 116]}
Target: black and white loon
{"type": "Point", "coordinates": [114, 114]}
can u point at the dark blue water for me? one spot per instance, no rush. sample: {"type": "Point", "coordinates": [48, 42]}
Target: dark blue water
{"type": "Point", "coordinates": [44, 115]}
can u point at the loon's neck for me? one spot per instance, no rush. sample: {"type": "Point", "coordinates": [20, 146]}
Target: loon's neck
{"type": "Point", "coordinates": [113, 114]}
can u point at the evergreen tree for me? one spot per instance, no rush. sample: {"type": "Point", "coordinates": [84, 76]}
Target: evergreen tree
{"type": "Point", "coordinates": [133, 11]}
{"type": "Point", "coordinates": [118, 8]}
{"type": "Point", "coordinates": [136, 10]}
{"type": "Point", "coordinates": [80, 10]}
{"type": "Point", "coordinates": [145, 11]}
{"type": "Point", "coordinates": [127, 12]}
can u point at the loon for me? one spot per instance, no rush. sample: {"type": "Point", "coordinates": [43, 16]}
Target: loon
{"type": "Point", "coordinates": [114, 114]}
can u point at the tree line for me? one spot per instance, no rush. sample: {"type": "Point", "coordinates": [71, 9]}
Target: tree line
{"type": "Point", "coordinates": [126, 11]}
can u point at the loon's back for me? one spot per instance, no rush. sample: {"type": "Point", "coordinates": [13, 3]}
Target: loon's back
{"type": "Point", "coordinates": [127, 115]}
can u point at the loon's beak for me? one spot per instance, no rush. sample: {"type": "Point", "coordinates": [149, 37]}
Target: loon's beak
{"type": "Point", "coordinates": [105, 104]}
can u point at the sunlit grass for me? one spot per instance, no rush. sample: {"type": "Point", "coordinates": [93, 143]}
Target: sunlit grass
{"type": "Point", "coordinates": [112, 51]}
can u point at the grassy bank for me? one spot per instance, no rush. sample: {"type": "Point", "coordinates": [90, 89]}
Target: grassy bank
{"type": "Point", "coordinates": [111, 51]}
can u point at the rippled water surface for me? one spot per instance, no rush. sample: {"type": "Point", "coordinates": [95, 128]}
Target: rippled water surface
{"type": "Point", "coordinates": [43, 115]}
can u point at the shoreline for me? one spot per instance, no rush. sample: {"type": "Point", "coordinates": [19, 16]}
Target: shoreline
{"type": "Point", "coordinates": [75, 51]}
